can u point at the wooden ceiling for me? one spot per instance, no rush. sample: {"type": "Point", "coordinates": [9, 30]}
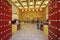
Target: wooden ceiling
{"type": "Point", "coordinates": [30, 4]}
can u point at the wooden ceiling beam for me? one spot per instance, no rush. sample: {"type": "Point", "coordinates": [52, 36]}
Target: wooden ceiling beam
{"type": "Point", "coordinates": [27, 3]}
{"type": "Point", "coordinates": [13, 4]}
{"type": "Point", "coordinates": [34, 3]}
{"type": "Point", "coordinates": [20, 3]}
{"type": "Point", "coordinates": [42, 3]}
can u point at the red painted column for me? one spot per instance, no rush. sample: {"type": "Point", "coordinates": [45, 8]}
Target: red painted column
{"type": "Point", "coordinates": [54, 19]}
{"type": "Point", "coordinates": [5, 20]}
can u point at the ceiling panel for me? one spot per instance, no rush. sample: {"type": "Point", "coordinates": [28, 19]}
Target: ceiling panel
{"type": "Point", "coordinates": [17, 4]}
{"type": "Point", "coordinates": [25, 7]}
{"type": "Point", "coordinates": [44, 4]}
{"type": "Point", "coordinates": [23, 4]}
{"type": "Point", "coordinates": [14, 0]}
{"type": "Point", "coordinates": [38, 2]}
{"type": "Point", "coordinates": [31, 6]}
{"type": "Point", "coordinates": [36, 6]}
{"type": "Point", "coordinates": [31, 0]}
{"type": "Point", "coordinates": [22, 0]}
{"type": "Point", "coordinates": [31, 3]}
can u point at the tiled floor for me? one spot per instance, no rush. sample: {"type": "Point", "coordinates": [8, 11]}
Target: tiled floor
{"type": "Point", "coordinates": [29, 32]}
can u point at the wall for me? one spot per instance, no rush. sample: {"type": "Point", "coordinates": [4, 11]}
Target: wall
{"type": "Point", "coordinates": [14, 12]}
{"type": "Point", "coordinates": [30, 15]}
{"type": "Point", "coordinates": [47, 12]}
{"type": "Point", "coordinates": [54, 19]}
{"type": "Point", "coordinates": [5, 20]}
{"type": "Point", "coordinates": [20, 14]}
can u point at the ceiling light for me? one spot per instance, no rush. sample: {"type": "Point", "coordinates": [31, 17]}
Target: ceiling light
{"type": "Point", "coordinates": [22, 10]}
{"type": "Point", "coordinates": [46, 2]}
{"type": "Point", "coordinates": [39, 2]}
{"type": "Point", "coordinates": [29, 10]}
{"type": "Point", "coordinates": [36, 9]}
{"type": "Point", "coordinates": [22, 0]}
{"type": "Point", "coordinates": [31, 6]}
{"type": "Point", "coordinates": [26, 10]}
{"type": "Point", "coordinates": [40, 9]}
{"type": "Point", "coordinates": [43, 6]}
{"type": "Point", "coordinates": [25, 7]}
{"type": "Point", "coordinates": [37, 6]}
{"type": "Point", "coordinates": [24, 3]}
{"type": "Point", "coordinates": [13, 0]}
{"type": "Point", "coordinates": [17, 4]}
{"type": "Point", "coordinates": [31, 3]}
{"type": "Point", "coordinates": [33, 9]}
{"type": "Point", "coordinates": [20, 7]}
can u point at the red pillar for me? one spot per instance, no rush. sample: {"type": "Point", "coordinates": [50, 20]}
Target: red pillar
{"type": "Point", "coordinates": [5, 20]}
{"type": "Point", "coordinates": [54, 19]}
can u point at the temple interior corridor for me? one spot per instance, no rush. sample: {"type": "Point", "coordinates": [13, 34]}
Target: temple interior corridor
{"type": "Point", "coordinates": [29, 19]}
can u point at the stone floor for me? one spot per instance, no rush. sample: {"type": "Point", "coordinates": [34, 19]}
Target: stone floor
{"type": "Point", "coordinates": [29, 32]}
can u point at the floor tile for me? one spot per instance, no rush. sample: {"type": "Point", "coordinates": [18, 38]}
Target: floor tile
{"type": "Point", "coordinates": [29, 32]}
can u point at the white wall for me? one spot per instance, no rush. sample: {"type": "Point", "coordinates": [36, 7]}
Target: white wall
{"type": "Point", "coordinates": [14, 16]}
{"type": "Point", "coordinates": [47, 12]}
{"type": "Point", "coordinates": [14, 12]}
